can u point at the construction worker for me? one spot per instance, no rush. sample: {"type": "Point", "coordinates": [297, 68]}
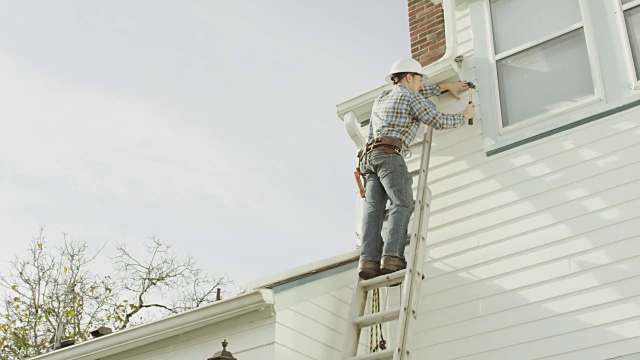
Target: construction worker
{"type": "Point", "coordinates": [395, 118]}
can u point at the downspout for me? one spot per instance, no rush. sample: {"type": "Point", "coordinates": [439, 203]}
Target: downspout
{"type": "Point", "coordinates": [353, 129]}
{"type": "Point", "coordinates": [450, 43]}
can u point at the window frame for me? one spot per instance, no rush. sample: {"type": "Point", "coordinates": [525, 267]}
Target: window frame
{"type": "Point", "coordinates": [593, 65]}
{"type": "Point", "coordinates": [609, 56]}
{"type": "Point", "coordinates": [634, 78]}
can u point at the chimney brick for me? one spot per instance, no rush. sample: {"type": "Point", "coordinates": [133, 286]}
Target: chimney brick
{"type": "Point", "coordinates": [426, 29]}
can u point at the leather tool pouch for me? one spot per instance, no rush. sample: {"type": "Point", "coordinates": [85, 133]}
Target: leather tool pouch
{"type": "Point", "coordinates": [387, 144]}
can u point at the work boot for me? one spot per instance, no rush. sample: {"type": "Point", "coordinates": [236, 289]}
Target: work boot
{"type": "Point", "coordinates": [392, 264]}
{"type": "Point", "coordinates": [368, 269]}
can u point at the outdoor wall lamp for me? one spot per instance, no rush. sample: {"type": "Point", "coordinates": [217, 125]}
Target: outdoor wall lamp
{"type": "Point", "coordinates": [224, 354]}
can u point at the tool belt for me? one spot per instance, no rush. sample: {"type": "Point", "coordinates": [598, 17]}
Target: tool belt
{"type": "Point", "coordinates": [388, 144]}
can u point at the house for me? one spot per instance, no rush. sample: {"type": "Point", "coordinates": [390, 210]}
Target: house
{"type": "Point", "coordinates": [533, 251]}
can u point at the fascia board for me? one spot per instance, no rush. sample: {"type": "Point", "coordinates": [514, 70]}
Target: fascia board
{"type": "Point", "coordinates": [357, 103]}
{"type": "Point", "coordinates": [441, 70]}
{"type": "Point", "coordinates": [260, 301]}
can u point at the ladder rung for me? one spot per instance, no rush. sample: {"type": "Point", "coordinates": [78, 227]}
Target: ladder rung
{"type": "Point", "coordinates": [377, 318]}
{"type": "Point", "coordinates": [383, 280]}
{"type": "Point", "coordinates": [379, 355]}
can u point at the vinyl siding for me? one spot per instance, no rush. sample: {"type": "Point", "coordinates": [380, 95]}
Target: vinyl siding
{"type": "Point", "coordinates": [311, 318]}
{"type": "Point", "coordinates": [253, 341]}
{"type": "Point", "coordinates": [533, 253]}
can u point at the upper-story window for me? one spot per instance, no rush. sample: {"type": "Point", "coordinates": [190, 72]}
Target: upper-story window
{"type": "Point", "coordinates": [542, 61]}
{"type": "Point", "coordinates": [545, 66]}
{"type": "Point", "coordinates": [631, 11]}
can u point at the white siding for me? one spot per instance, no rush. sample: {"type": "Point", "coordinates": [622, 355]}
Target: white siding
{"type": "Point", "coordinates": [311, 318]}
{"type": "Point", "coordinates": [282, 352]}
{"type": "Point", "coordinates": [533, 253]}
{"type": "Point", "coordinates": [247, 342]}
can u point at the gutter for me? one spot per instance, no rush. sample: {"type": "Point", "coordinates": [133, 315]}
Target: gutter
{"type": "Point", "coordinates": [356, 110]}
{"type": "Point", "coordinates": [261, 302]}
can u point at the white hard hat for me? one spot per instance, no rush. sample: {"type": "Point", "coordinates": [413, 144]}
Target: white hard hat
{"type": "Point", "coordinates": [406, 66]}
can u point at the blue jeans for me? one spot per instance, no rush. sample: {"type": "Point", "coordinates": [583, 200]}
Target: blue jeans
{"type": "Point", "coordinates": [385, 178]}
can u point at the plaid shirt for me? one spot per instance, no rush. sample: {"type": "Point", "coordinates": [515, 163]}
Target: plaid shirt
{"type": "Point", "coordinates": [398, 113]}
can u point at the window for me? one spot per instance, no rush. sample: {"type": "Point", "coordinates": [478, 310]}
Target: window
{"type": "Point", "coordinates": [542, 61]}
{"type": "Point", "coordinates": [545, 66]}
{"type": "Point", "coordinates": [631, 10]}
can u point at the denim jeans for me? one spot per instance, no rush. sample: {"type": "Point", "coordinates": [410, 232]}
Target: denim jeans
{"type": "Point", "coordinates": [385, 178]}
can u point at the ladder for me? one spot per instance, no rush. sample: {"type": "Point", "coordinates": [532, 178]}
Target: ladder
{"type": "Point", "coordinates": [411, 279]}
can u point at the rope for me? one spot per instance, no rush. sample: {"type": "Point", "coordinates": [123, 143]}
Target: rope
{"type": "Point", "coordinates": [380, 343]}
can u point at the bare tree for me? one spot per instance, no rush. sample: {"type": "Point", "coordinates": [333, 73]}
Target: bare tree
{"type": "Point", "coordinates": [161, 281]}
{"type": "Point", "coordinates": [54, 294]}
{"type": "Point", "coordinates": [51, 289]}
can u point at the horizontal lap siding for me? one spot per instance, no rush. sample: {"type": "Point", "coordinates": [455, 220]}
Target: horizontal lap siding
{"type": "Point", "coordinates": [283, 352]}
{"type": "Point", "coordinates": [253, 341]}
{"type": "Point", "coordinates": [310, 341]}
{"type": "Point", "coordinates": [533, 253]}
{"type": "Point", "coordinates": [312, 322]}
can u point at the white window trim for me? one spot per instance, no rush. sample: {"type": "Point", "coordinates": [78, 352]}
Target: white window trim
{"type": "Point", "coordinates": [504, 130]}
{"type": "Point", "coordinates": [634, 78]}
{"type": "Point", "coordinates": [539, 41]}
{"type": "Point", "coordinates": [497, 137]}
{"type": "Point", "coordinates": [593, 64]}
{"type": "Point", "coordinates": [630, 5]}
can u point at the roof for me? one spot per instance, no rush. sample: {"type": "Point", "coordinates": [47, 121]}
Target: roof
{"type": "Point", "coordinates": [310, 271]}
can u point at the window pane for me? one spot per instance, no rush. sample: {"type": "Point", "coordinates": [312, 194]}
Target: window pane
{"type": "Point", "coordinates": [626, 1]}
{"type": "Point", "coordinates": [549, 76]}
{"type": "Point", "coordinates": [632, 19]}
{"type": "Point", "coordinates": [516, 22]}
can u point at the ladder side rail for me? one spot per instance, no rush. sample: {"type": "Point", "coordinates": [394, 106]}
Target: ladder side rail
{"type": "Point", "coordinates": [352, 335]}
{"type": "Point", "coordinates": [413, 276]}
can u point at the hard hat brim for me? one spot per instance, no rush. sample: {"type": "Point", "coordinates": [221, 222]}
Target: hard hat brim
{"type": "Point", "coordinates": [425, 77]}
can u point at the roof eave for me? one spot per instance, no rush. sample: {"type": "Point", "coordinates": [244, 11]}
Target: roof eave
{"type": "Point", "coordinates": [441, 70]}
{"type": "Point", "coordinates": [261, 302]}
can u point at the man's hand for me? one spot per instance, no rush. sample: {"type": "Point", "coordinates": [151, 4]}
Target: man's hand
{"type": "Point", "coordinates": [469, 112]}
{"type": "Point", "coordinates": [454, 88]}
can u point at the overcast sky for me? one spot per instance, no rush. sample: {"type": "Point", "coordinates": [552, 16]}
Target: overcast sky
{"type": "Point", "coordinates": [210, 124]}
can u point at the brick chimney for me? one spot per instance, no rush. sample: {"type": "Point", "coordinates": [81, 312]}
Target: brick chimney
{"type": "Point", "coordinates": [426, 28]}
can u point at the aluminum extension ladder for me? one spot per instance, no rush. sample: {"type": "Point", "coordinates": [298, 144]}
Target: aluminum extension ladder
{"type": "Point", "coordinates": [411, 279]}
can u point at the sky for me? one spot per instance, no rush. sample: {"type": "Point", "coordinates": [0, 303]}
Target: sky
{"type": "Point", "coordinates": [209, 124]}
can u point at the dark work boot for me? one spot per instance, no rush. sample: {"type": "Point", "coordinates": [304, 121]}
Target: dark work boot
{"type": "Point", "coordinates": [368, 269]}
{"type": "Point", "coordinates": [392, 264]}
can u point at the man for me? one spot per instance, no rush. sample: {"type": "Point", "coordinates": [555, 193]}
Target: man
{"type": "Point", "coordinates": [395, 118]}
